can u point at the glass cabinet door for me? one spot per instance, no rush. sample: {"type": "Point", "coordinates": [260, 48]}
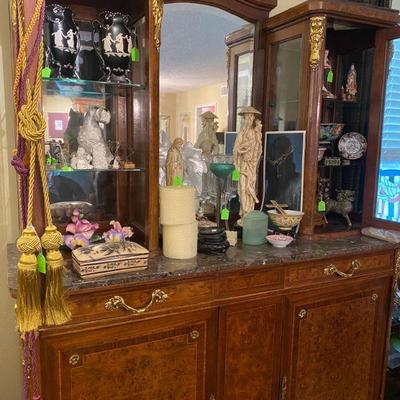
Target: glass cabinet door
{"type": "Point", "coordinates": [244, 87]}
{"type": "Point", "coordinates": [384, 148]}
{"type": "Point", "coordinates": [284, 85]}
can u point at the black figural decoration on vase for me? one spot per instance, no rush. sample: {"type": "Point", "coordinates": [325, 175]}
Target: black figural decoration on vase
{"type": "Point", "coordinates": [114, 45]}
{"type": "Point", "coordinates": [62, 41]}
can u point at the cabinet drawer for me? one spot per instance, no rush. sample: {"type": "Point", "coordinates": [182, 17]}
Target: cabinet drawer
{"type": "Point", "coordinates": [246, 282]}
{"type": "Point", "coordinates": [135, 302]}
{"type": "Point", "coordinates": [336, 269]}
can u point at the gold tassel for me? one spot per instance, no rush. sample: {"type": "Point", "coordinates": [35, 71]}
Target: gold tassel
{"type": "Point", "coordinates": [28, 308]}
{"type": "Point", "coordinates": [56, 308]}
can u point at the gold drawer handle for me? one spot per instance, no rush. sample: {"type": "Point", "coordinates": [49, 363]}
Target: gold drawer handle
{"type": "Point", "coordinates": [116, 302]}
{"type": "Point", "coordinates": [332, 270]}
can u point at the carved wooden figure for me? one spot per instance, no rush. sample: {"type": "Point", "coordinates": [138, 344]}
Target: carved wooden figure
{"type": "Point", "coordinates": [246, 155]}
{"type": "Point", "coordinates": [207, 140]}
{"type": "Point", "coordinates": [175, 165]}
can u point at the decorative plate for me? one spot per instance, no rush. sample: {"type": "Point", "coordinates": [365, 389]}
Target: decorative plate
{"type": "Point", "coordinates": [352, 145]}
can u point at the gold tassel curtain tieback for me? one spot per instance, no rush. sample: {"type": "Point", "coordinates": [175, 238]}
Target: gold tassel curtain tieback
{"type": "Point", "coordinates": [28, 307]}
{"type": "Point", "coordinates": [32, 127]}
{"type": "Point", "coordinates": [56, 310]}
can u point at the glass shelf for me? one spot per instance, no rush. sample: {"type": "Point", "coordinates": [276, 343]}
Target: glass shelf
{"type": "Point", "coordinates": [83, 88]}
{"type": "Point", "coordinates": [95, 170]}
{"type": "Point", "coordinates": [332, 100]}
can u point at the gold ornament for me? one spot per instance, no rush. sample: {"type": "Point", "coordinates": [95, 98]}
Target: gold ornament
{"type": "Point", "coordinates": [317, 30]}
{"type": "Point", "coordinates": [55, 307]}
{"type": "Point", "coordinates": [158, 13]}
{"type": "Point", "coordinates": [28, 309]}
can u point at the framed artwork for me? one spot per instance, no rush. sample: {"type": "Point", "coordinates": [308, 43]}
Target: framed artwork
{"type": "Point", "coordinates": [201, 109]}
{"type": "Point", "coordinates": [57, 124]}
{"type": "Point", "coordinates": [229, 142]}
{"type": "Point", "coordinates": [283, 167]}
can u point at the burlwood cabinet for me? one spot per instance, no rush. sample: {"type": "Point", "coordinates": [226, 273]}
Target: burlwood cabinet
{"type": "Point", "coordinates": [336, 343]}
{"type": "Point", "coordinates": [163, 358]}
{"type": "Point", "coordinates": [249, 350]}
{"type": "Point", "coordinates": [294, 332]}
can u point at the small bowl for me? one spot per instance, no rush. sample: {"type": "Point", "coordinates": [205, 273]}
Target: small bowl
{"type": "Point", "coordinates": [287, 221]}
{"type": "Point", "coordinates": [279, 241]}
{"type": "Point", "coordinates": [330, 131]}
{"type": "Point", "coordinates": [321, 152]}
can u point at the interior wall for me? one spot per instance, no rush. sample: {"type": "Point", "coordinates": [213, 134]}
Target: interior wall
{"type": "Point", "coordinates": [186, 103]}
{"type": "Point", "coordinates": [168, 108]}
{"type": "Point", "coordinates": [181, 108]}
{"type": "Point", "coordinates": [10, 379]}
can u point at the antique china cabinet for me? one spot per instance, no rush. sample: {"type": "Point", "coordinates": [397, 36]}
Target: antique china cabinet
{"type": "Point", "coordinates": [129, 193]}
{"type": "Point", "coordinates": [308, 324]}
{"type": "Point", "coordinates": [310, 50]}
{"type": "Point", "coordinates": [240, 72]}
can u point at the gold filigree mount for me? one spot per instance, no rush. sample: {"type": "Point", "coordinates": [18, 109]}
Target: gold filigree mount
{"type": "Point", "coordinates": [317, 30]}
{"type": "Point", "coordinates": [158, 13]}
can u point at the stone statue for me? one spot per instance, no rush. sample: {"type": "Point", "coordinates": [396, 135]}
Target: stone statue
{"type": "Point", "coordinates": [195, 167]}
{"type": "Point", "coordinates": [207, 140]}
{"type": "Point", "coordinates": [174, 164]}
{"type": "Point", "coordinates": [81, 160]}
{"type": "Point", "coordinates": [351, 85]}
{"type": "Point", "coordinates": [91, 137]}
{"type": "Point", "coordinates": [246, 156]}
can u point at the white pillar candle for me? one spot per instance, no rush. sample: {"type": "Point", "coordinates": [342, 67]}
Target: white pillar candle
{"type": "Point", "coordinates": [180, 241]}
{"type": "Point", "coordinates": [177, 205]}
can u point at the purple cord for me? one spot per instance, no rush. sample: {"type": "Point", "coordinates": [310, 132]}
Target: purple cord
{"type": "Point", "coordinates": [26, 366]}
{"type": "Point", "coordinates": [34, 374]}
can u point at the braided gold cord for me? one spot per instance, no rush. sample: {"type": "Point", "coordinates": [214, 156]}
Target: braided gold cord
{"type": "Point", "coordinates": [21, 58]}
{"type": "Point", "coordinates": [32, 162]}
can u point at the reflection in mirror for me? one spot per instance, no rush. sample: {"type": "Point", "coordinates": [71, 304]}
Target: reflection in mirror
{"type": "Point", "coordinates": [195, 63]}
{"type": "Point", "coordinates": [285, 85]}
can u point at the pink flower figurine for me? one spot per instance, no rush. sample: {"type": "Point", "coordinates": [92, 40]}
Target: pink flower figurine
{"type": "Point", "coordinates": [117, 233]}
{"type": "Point", "coordinates": [79, 231]}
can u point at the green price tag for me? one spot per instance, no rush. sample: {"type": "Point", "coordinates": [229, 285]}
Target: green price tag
{"type": "Point", "coordinates": [135, 57]}
{"type": "Point", "coordinates": [235, 175]}
{"type": "Point", "coordinates": [41, 263]}
{"type": "Point", "coordinates": [177, 181]}
{"type": "Point", "coordinates": [321, 206]}
{"type": "Point", "coordinates": [329, 78]}
{"type": "Point", "coordinates": [67, 168]}
{"type": "Point", "coordinates": [224, 214]}
{"type": "Point", "coordinates": [46, 72]}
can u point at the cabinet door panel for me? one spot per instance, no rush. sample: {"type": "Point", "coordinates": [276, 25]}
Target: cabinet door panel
{"type": "Point", "coordinates": [249, 345]}
{"type": "Point", "coordinates": [336, 344]}
{"type": "Point", "coordinates": [164, 360]}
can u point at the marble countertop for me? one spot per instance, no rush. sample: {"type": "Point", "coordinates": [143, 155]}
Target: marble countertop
{"type": "Point", "coordinates": [236, 258]}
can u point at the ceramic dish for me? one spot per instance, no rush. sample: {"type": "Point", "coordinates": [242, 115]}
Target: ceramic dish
{"type": "Point", "coordinates": [279, 240]}
{"type": "Point", "coordinates": [286, 221]}
{"type": "Point", "coordinates": [352, 145]}
{"type": "Point", "coordinates": [330, 131]}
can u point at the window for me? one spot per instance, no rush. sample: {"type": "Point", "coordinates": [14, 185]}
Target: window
{"type": "Point", "coordinates": [388, 193]}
